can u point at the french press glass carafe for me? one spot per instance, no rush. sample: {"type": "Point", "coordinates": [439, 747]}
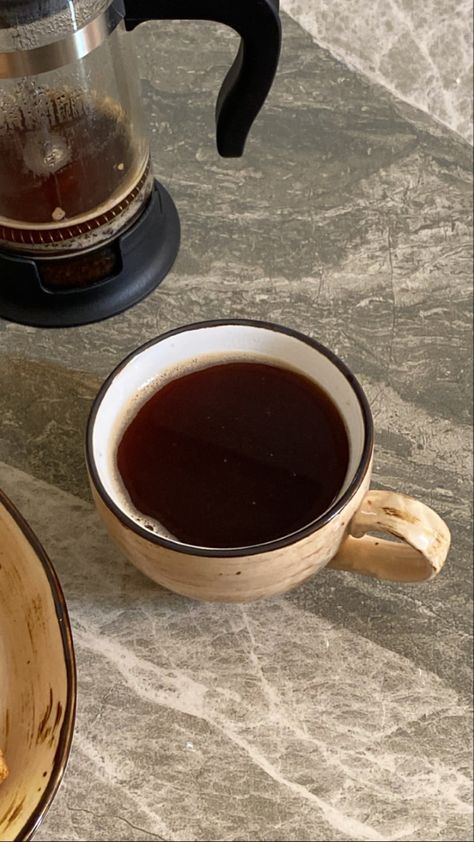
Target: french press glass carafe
{"type": "Point", "coordinates": [85, 230]}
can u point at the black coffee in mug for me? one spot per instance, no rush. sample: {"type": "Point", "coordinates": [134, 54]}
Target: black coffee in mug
{"type": "Point", "coordinates": [235, 454]}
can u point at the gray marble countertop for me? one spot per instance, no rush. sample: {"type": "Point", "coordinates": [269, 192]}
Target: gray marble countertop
{"type": "Point", "coordinates": [341, 710]}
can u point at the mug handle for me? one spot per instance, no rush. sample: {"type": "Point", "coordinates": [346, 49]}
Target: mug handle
{"type": "Point", "coordinates": [425, 535]}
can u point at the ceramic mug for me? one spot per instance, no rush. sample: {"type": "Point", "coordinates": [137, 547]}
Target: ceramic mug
{"type": "Point", "coordinates": [338, 538]}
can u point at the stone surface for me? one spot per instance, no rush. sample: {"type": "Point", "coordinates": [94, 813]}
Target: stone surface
{"type": "Point", "coordinates": [340, 711]}
{"type": "Point", "coordinates": [420, 51]}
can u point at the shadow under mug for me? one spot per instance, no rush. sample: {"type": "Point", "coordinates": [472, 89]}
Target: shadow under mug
{"type": "Point", "coordinates": [338, 538]}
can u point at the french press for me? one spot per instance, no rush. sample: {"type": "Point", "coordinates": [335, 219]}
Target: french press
{"type": "Point", "coordinates": [85, 229]}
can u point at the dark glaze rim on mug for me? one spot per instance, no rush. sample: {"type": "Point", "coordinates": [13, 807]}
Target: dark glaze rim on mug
{"type": "Point", "coordinates": [269, 546]}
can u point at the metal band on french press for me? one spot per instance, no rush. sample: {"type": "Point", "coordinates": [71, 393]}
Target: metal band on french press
{"type": "Point", "coordinates": [71, 48]}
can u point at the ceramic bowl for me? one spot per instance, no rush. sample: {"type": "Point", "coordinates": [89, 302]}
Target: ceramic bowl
{"type": "Point", "coordinates": [37, 678]}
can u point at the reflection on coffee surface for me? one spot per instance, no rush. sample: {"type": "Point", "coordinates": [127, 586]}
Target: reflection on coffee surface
{"type": "Point", "coordinates": [235, 454]}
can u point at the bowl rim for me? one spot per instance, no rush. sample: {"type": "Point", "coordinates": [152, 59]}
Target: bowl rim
{"type": "Point", "coordinates": [67, 730]}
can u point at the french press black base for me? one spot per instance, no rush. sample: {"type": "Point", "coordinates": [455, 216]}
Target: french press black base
{"type": "Point", "coordinates": [34, 292]}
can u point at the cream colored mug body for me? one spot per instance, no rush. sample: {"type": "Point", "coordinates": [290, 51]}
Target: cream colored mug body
{"type": "Point", "coordinates": [338, 538]}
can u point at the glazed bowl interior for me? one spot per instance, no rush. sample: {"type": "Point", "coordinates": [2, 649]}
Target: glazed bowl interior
{"type": "Point", "coordinates": [37, 678]}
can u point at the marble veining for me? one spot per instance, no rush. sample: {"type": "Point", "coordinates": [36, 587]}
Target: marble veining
{"type": "Point", "coordinates": [420, 51]}
{"type": "Point", "coordinates": [172, 690]}
{"type": "Point", "coordinates": [342, 710]}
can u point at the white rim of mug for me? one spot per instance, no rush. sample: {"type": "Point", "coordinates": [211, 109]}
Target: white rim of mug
{"type": "Point", "coordinates": [255, 549]}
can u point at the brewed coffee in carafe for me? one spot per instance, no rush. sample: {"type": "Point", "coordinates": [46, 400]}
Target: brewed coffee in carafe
{"type": "Point", "coordinates": [73, 149]}
{"type": "Point", "coordinates": [80, 211]}
{"type": "Point", "coordinates": [50, 171]}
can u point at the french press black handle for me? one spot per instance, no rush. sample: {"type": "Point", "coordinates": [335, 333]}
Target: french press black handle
{"type": "Point", "coordinates": [250, 78]}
